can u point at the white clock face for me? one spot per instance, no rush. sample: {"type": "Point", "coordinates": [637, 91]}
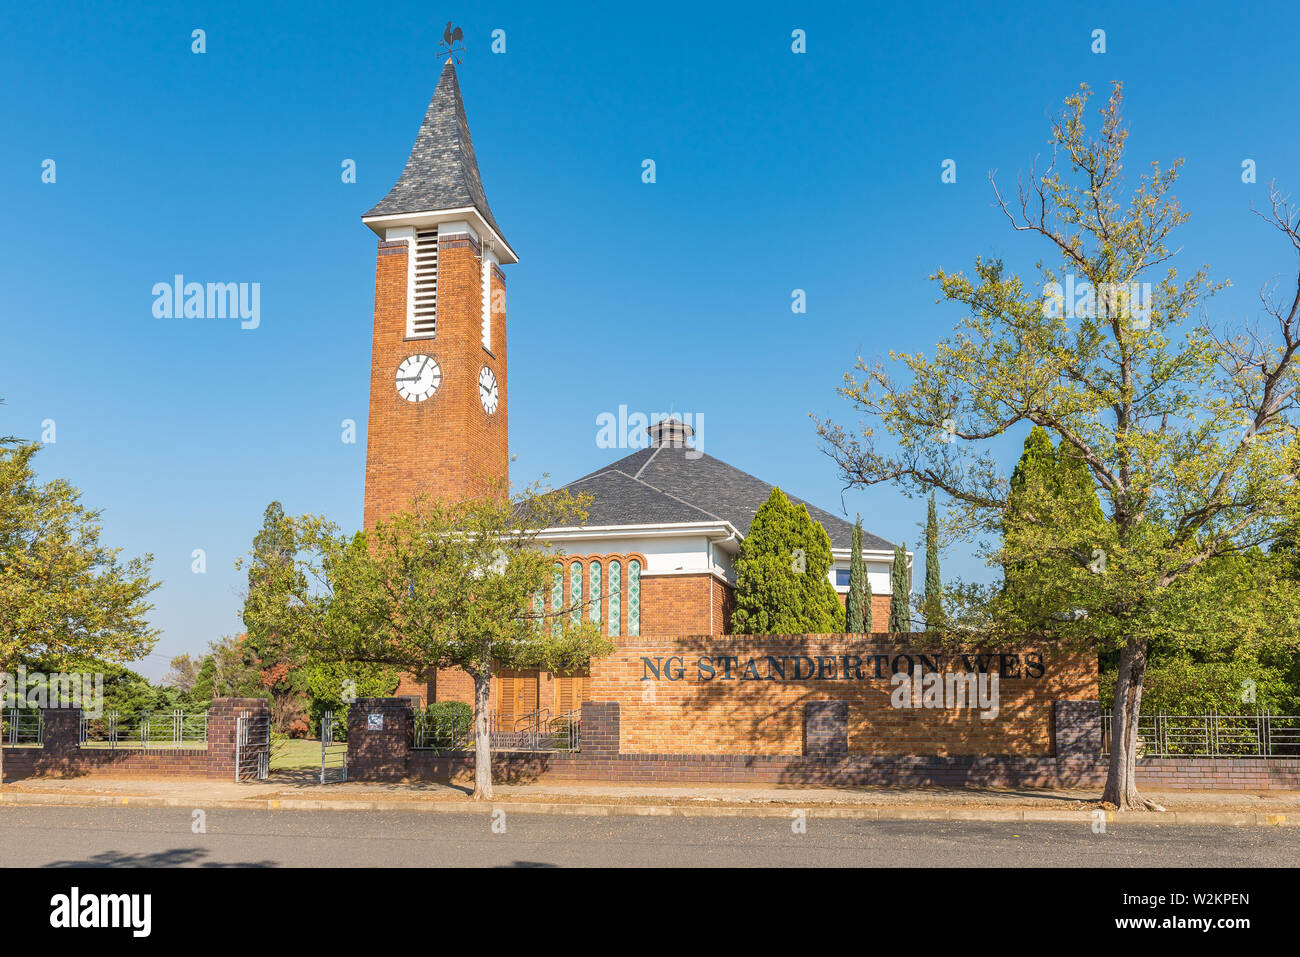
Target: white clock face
{"type": "Point", "coordinates": [488, 393]}
{"type": "Point", "coordinates": [418, 377]}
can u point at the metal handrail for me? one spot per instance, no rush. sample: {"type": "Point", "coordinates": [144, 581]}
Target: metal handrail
{"type": "Point", "coordinates": [537, 730]}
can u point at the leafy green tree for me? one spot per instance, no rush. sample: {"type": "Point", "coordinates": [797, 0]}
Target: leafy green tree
{"type": "Point", "coordinates": [1033, 479]}
{"type": "Point", "coordinates": [272, 577]}
{"type": "Point", "coordinates": [933, 606]}
{"type": "Point", "coordinates": [332, 686]}
{"type": "Point", "coordinates": [124, 690]}
{"type": "Point", "coordinates": [64, 595]}
{"type": "Point", "coordinates": [224, 672]}
{"type": "Point", "coordinates": [1054, 516]}
{"type": "Point", "coordinates": [1187, 432]}
{"type": "Point", "coordinates": [1183, 685]}
{"type": "Point", "coordinates": [783, 573]}
{"type": "Point", "coordinates": [900, 603]}
{"type": "Point", "coordinates": [442, 585]}
{"type": "Point", "coordinates": [182, 670]}
{"type": "Point", "coordinates": [857, 604]}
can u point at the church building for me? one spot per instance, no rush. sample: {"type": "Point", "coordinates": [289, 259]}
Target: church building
{"type": "Point", "coordinates": [664, 523]}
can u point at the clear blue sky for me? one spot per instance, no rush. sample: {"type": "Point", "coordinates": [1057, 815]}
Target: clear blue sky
{"type": "Point", "coordinates": [776, 171]}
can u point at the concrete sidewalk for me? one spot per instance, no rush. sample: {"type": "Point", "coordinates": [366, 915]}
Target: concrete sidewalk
{"type": "Point", "coordinates": [291, 791]}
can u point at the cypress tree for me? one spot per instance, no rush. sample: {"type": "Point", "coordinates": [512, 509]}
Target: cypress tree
{"type": "Point", "coordinates": [933, 581]}
{"type": "Point", "coordinates": [855, 621]}
{"type": "Point", "coordinates": [783, 574]}
{"type": "Point", "coordinates": [1032, 483]}
{"type": "Point", "coordinates": [900, 612]}
{"type": "Point", "coordinates": [1052, 499]}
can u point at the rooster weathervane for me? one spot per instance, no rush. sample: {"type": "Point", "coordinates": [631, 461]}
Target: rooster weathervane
{"type": "Point", "coordinates": [450, 38]}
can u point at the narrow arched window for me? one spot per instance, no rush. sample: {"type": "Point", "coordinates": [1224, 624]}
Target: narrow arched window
{"type": "Point", "coordinates": [634, 597]}
{"type": "Point", "coordinates": [557, 598]}
{"type": "Point", "coordinates": [615, 596]}
{"type": "Point", "coordinates": [575, 592]}
{"type": "Point", "coordinates": [593, 594]}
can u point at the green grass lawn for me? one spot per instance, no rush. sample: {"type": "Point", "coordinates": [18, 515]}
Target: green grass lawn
{"type": "Point", "coordinates": [295, 754]}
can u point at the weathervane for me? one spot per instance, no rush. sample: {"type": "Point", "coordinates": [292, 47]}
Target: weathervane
{"type": "Point", "coordinates": [450, 38]}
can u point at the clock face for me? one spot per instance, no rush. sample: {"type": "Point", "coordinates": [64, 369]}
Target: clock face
{"type": "Point", "coordinates": [418, 378]}
{"type": "Point", "coordinates": [488, 393]}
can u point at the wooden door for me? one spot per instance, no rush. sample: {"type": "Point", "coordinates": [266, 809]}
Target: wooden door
{"type": "Point", "coordinates": [516, 696]}
{"type": "Point", "coordinates": [570, 692]}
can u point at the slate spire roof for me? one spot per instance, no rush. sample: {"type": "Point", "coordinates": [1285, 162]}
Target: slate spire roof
{"type": "Point", "coordinates": [667, 484]}
{"type": "Point", "coordinates": [441, 172]}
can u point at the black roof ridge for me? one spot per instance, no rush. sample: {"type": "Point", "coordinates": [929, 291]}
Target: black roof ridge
{"type": "Point", "coordinates": [653, 455]}
{"type": "Point", "coordinates": [678, 498]}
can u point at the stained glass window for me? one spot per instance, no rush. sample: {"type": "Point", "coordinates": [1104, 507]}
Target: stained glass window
{"type": "Point", "coordinates": [615, 596]}
{"type": "Point", "coordinates": [557, 597]}
{"type": "Point", "coordinates": [575, 591]}
{"type": "Point", "coordinates": [593, 594]}
{"type": "Point", "coordinates": [634, 597]}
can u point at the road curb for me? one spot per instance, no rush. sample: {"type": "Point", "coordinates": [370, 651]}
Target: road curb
{"type": "Point", "coordinates": [824, 812]}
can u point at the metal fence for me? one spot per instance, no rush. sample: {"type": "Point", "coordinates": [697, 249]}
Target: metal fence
{"type": "Point", "coordinates": [333, 748]}
{"type": "Point", "coordinates": [22, 729]}
{"type": "Point", "coordinates": [161, 729]}
{"type": "Point", "coordinates": [1213, 736]}
{"type": "Point", "coordinates": [535, 731]}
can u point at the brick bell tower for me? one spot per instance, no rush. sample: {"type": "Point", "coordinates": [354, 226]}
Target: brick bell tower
{"type": "Point", "coordinates": [438, 406]}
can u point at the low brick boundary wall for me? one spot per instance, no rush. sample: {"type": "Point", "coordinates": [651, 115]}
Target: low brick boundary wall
{"type": "Point", "coordinates": [62, 755]}
{"type": "Point", "coordinates": [387, 755]}
{"type": "Point", "coordinates": [1228, 774]}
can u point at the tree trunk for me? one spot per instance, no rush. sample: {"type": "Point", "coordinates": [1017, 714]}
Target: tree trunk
{"type": "Point", "coordinates": [1121, 776]}
{"type": "Point", "coordinates": [4, 673]}
{"type": "Point", "coordinates": [483, 737]}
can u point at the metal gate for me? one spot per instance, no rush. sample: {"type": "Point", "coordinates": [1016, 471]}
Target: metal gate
{"type": "Point", "coordinates": [333, 750]}
{"type": "Point", "coordinates": [252, 747]}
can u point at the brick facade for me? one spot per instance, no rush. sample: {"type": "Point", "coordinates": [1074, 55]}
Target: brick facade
{"type": "Point", "coordinates": [879, 610]}
{"type": "Point", "coordinates": [682, 605]}
{"type": "Point", "coordinates": [447, 445]}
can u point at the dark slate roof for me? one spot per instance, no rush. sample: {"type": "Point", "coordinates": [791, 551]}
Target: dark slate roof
{"type": "Point", "coordinates": [668, 484]}
{"type": "Point", "coordinates": [615, 496]}
{"type": "Point", "coordinates": [441, 172]}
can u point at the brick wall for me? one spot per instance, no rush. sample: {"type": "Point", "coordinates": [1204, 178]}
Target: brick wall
{"type": "Point", "coordinates": [378, 753]}
{"type": "Point", "coordinates": [63, 756]}
{"type": "Point", "coordinates": [387, 755]}
{"type": "Point", "coordinates": [825, 728]}
{"type": "Point", "coordinates": [741, 716]}
{"type": "Point", "coordinates": [849, 771]}
{"type": "Point", "coordinates": [680, 605]}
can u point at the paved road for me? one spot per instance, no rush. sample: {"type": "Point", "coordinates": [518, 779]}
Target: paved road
{"type": "Point", "coordinates": [114, 837]}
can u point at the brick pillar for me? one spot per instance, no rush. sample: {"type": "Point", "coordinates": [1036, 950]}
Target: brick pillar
{"type": "Point", "coordinates": [1077, 730]}
{"type": "Point", "coordinates": [598, 733]}
{"type": "Point", "coordinates": [376, 753]}
{"type": "Point", "coordinates": [223, 720]}
{"type": "Point", "coordinates": [825, 728]}
{"type": "Point", "coordinates": [62, 730]}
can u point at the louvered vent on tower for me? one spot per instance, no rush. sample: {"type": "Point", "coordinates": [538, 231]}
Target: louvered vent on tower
{"type": "Point", "coordinates": [424, 312]}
